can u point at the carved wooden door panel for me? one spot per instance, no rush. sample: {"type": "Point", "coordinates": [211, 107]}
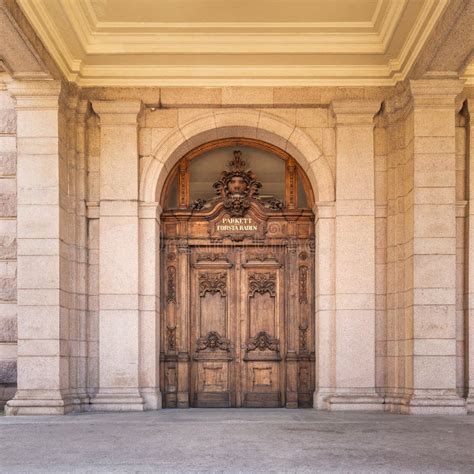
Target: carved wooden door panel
{"type": "Point", "coordinates": [262, 330]}
{"type": "Point", "coordinates": [212, 331]}
{"type": "Point", "coordinates": [237, 321]}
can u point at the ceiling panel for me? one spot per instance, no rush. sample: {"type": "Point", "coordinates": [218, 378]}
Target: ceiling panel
{"type": "Point", "coordinates": [234, 42]}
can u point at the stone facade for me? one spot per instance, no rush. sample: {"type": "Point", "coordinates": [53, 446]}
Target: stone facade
{"type": "Point", "coordinates": [388, 168]}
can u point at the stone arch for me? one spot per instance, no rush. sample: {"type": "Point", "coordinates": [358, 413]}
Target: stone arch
{"type": "Point", "coordinates": [236, 123]}
{"type": "Point", "coordinates": [230, 124]}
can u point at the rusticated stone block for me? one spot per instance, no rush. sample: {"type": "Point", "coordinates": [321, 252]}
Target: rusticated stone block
{"type": "Point", "coordinates": [7, 121]}
{"type": "Point", "coordinates": [7, 371]}
{"type": "Point", "coordinates": [8, 288]}
{"type": "Point", "coordinates": [7, 247]}
{"type": "Point", "coordinates": [8, 330]}
{"type": "Point", "coordinates": [7, 205]}
{"type": "Point", "coordinates": [7, 164]}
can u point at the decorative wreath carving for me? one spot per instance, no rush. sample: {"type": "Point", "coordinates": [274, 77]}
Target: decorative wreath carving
{"type": "Point", "coordinates": [171, 333]}
{"type": "Point", "coordinates": [303, 337]}
{"type": "Point", "coordinates": [171, 296]}
{"type": "Point", "coordinates": [212, 283]}
{"type": "Point", "coordinates": [303, 284]}
{"type": "Point", "coordinates": [263, 341]}
{"type": "Point", "coordinates": [237, 187]}
{"type": "Point", "coordinates": [211, 342]}
{"type": "Point", "coordinates": [262, 283]}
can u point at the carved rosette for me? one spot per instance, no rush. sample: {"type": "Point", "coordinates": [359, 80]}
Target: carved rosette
{"type": "Point", "coordinates": [262, 283]}
{"type": "Point", "coordinates": [212, 341]}
{"type": "Point", "coordinates": [262, 341]}
{"type": "Point", "coordinates": [212, 283]}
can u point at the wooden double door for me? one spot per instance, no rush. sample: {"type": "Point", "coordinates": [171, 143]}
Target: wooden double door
{"type": "Point", "coordinates": [239, 329]}
{"type": "Point", "coordinates": [238, 323]}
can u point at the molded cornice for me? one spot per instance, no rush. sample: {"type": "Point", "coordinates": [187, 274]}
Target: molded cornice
{"type": "Point", "coordinates": [92, 51]}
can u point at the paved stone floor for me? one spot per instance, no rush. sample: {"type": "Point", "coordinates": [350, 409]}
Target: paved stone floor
{"type": "Point", "coordinates": [240, 440]}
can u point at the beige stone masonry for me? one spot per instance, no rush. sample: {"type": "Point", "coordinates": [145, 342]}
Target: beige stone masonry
{"type": "Point", "coordinates": [470, 262]}
{"type": "Point", "coordinates": [8, 247]}
{"type": "Point", "coordinates": [325, 304]}
{"type": "Point", "coordinates": [119, 319]}
{"type": "Point", "coordinates": [43, 371]}
{"type": "Point", "coordinates": [432, 357]}
{"type": "Point", "coordinates": [355, 257]}
{"type": "Point", "coordinates": [149, 332]}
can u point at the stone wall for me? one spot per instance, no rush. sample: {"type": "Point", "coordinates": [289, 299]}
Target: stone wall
{"type": "Point", "coordinates": [393, 249]}
{"type": "Point", "coordinates": [8, 250]}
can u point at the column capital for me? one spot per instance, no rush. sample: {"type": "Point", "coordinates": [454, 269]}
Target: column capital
{"type": "Point", "coordinates": [35, 94]}
{"type": "Point", "coordinates": [117, 112]}
{"type": "Point", "coordinates": [355, 111]}
{"type": "Point", "coordinates": [435, 92]}
{"type": "Point", "coordinates": [149, 210]}
{"type": "Point", "coordinates": [325, 210]}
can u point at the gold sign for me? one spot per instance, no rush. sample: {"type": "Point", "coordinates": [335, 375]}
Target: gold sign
{"type": "Point", "coordinates": [237, 224]}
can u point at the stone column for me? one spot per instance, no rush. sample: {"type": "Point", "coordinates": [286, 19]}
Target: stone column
{"type": "Point", "coordinates": [433, 249]}
{"type": "Point", "coordinates": [469, 355]}
{"type": "Point", "coordinates": [43, 369]}
{"type": "Point", "coordinates": [355, 256]}
{"type": "Point", "coordinates": [119, 325]}
{"type": "Point", "coordinates": [149, 214]}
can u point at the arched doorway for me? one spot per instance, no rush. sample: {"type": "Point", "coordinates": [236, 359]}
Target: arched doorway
{"type": "Point", "coordinates": [237, 278]}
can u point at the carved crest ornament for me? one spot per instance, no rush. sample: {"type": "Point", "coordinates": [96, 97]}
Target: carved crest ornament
{"type": "Point", "coordinates": [263, 341]}
{"type": "Point", "coordinates": [262, 283]}
{"type": "Point", "coordinates": [212, 283]}
{"type": "Point", "coordinates": [212, 341]}
{"type": "Point", "coordinates": [237, 187]}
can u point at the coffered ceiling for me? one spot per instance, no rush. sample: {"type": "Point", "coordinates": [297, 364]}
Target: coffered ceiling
{"type": "Point", "coordinates": [234, 42]}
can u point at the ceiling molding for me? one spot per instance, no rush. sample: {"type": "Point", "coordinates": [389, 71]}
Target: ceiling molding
{"type": "Point", "coordinates": [117, 41]}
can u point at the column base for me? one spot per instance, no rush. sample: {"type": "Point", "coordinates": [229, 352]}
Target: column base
{"type": "Point", "coordinates": [151, 398]}
{"type": "Point", "coordinates": [395, 403]}
{"type": "Point", "coordinates": [435, 405]}
{"type": "Point", "coordinates": [116, 401]}
{"type": "Point", "coordinates": [470, 404]}
{"type": "Point", "coordinates": [355, 402]}
{"type": "Point", "coordinates": [321, 399]}
{"type": "Point", "coordinates": [28, 404]}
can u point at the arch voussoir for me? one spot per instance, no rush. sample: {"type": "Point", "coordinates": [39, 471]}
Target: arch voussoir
{"type": "Point", "coordinates": [243, 123]}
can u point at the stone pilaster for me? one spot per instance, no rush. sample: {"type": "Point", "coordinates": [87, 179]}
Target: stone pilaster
{"type": "Point", "coordinates": [325, 304]}
{"type": "Point", "coordinates": [432, 247]}
{"type": "Point", "coordinates": [469, 355]}
{"type": "Point", "coordinates": [119, 324]}
{"type": "Point", "coordinates": [43, 347]}
{"type": "Point", "coordinates": [355, 257]}
{"type": "Point", "coordinates": [81, 247]}
{"type": "Point", "coordinates": [149, 216]}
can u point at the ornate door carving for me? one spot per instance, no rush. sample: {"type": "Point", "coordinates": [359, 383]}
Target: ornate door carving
{"type": "Point", "coordinates": [237, 327]}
